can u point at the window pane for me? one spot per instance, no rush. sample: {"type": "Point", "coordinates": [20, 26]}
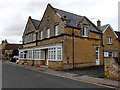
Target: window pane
{"type": "Point", "coordinates": [48, 33]}
{"type": "Point", "coordinates": [56, 30]}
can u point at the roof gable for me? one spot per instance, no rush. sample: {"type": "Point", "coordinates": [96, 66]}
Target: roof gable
{"type": "Point", "coordinates": [105, 27]}
{"type": "Point", "coordinates": [31, 25]}
{"type": "Point", "coordinates": [118, 34]}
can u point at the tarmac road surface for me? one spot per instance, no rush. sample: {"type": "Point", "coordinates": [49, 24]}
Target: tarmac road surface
{"type": "Point", "coordinates": [16, 77]}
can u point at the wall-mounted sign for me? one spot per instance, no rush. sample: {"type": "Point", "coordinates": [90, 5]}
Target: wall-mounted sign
{"type": "Point", "coordinates": [106, 54]}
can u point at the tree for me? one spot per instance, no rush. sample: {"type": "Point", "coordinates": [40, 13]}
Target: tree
{"type": "Point", "coordinates": [15, 52]}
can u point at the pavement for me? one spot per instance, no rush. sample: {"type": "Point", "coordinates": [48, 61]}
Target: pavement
{"type": "Point", "coordinates": [74, 76]}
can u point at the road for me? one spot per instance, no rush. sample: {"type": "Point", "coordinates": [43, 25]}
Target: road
{"type": "Point", "coordinates": [16, 77]}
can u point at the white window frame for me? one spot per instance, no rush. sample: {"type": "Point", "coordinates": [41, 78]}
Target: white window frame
{"type": "Point", "coordinates": [53, 54]}
{"type": "Point", "coordinates": [30, 54]}
{"type": "Point", "coordinates": [41, 35]}
{"type": "Point", "coordinates": [109, 40]}
{"type": "Point", "coordinates": [56, 30]}
{"type": "Point", "coordinates": [85, 31]}
{"type": "Point", "coordinates": [113, 54]}
{"type": "Point", "coordinates": [48, 33]}
{"type": "Point", "coordinates": [21, 55]}
{"type": "Point", "coordinates": [39, 54]}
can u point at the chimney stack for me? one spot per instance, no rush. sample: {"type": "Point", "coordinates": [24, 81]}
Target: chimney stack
{"type": "Point", "coordinates": [98, 23]}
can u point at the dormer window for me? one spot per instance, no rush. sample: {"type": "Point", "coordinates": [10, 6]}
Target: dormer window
{"type": "Point", "coordinates": [56, 30]}
{"type": "Point", "coordinates": [48, 33]}
{"type": "Point", "coordinates": [85, 31]}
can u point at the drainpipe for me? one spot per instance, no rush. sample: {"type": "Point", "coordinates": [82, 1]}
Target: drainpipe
{"type": "Point", "coordinates": [73, 47]}
{"type": "Point", "coordinates": [33, 57]}
{"type": "Point", "coordinates": [103, 48]}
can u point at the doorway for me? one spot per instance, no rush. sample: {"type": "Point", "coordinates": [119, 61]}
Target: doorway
{"type": "Point", "coordinates": [97, 56]}
{"type": "Point", "coordinates": [46, 57]}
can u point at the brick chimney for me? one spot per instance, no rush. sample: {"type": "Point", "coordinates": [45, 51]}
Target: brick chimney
{"type": "Point", "coordinates": [98, 23]}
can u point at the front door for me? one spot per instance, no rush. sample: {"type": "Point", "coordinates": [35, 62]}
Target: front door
{"type": "Point", "coordinates": [97, 56]}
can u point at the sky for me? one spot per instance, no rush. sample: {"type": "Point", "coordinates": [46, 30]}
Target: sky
{"type": "Point", "coordinates": [14, 13]}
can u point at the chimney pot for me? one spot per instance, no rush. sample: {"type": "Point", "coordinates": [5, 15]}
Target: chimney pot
{"type": "Point", "coordinates": [98, 23]}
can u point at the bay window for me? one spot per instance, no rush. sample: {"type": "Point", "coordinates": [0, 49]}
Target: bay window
{"type": "Point", "coordinates": [39, 54]}
{"type": "Point", "coordinates": [30, 54]}
{"type": "Point", "coordinates": [21, 55]}
{"type": "Point", "coordinates": [55, 53]}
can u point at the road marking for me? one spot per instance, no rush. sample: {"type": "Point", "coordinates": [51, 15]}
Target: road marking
{"type": "Point", "coordinates": [34, 69]}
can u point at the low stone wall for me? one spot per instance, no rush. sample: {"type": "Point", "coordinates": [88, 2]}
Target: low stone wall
{"type": "Point", "coordinates": [30, 62]}
{"type": "Point", "coordinates": [112, 68]}
{"type": "Point", "coordinates": [39, 62]}
{"type": "Point", "coordinates": [78, 65]}
{"type": "Point", "coordinates": [57, 65]}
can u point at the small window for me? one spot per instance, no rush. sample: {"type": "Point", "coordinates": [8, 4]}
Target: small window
{"type": "Point", "coordinates": [111, 54]}
{"type": "Point", "coordinates": [85, 31]}
{"type": "Point", "coordinates": [48, 33]}
{"type": "Point", "coordinates": [41, 35]}
{"type": "Point", "coordinates": [109, 40]}
{"type": "Point", "coordinates": [34, 36]}
{"type": "Point", "coordinates": [56, 30]}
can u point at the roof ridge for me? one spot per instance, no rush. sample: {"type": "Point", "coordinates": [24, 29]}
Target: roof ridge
{"type": "Point", "coordinates": [35, 19]}
{"type": "Point", "coordinates": [105, 25]}
{"type": "Point", "coordinates": [68, 12]}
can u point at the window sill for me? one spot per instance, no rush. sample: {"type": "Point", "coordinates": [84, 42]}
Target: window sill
{"type": "Point", "coordinates": [85, 36]}
{"type": "Point", "coordinates": [53, 60]}
{"type": "Point", "coordinates": [109, 44]}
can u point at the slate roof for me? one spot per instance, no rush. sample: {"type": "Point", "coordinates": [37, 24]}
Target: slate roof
{"type": "Point", "coordinates": [36, 23]}
{"type": "Point", "coordinates": [12, 46]}
{"type": "Point", "coordinates": [102, 28]}
{"type": "Point", "coordinates": [118, 34]}
{"type": "Point", "coordinates": [74, 20]}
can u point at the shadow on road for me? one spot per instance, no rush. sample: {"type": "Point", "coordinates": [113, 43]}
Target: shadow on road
{"type": "Point", "coordinates": [95, 71]}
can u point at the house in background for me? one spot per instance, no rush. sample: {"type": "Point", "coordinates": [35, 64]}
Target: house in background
{"type": "Point", "coordinates": [7, 49]}
{"type": "Point", "coordinates": [62, 40]}
{"type": "Point", "coordinates": [110, 41]}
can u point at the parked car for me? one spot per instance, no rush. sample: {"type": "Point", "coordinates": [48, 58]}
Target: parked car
{"type": "Point", "coordinates": [14, 58]}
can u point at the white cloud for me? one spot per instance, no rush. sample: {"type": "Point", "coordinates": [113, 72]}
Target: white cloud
{"type": "Point", "coordinates": [14, 13]}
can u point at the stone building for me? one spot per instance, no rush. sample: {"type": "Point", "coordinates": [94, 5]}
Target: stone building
{"type": "Point", "coordinates": [110, 41]}
{"type": "Point", "coordinates": [7, 48]}
{"type": "Point", "coordinates": [111, 49]}
{"type": "Point", "coordinates": [61, 40]}
{"type": "Point", "coordinates": [118, 34]}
